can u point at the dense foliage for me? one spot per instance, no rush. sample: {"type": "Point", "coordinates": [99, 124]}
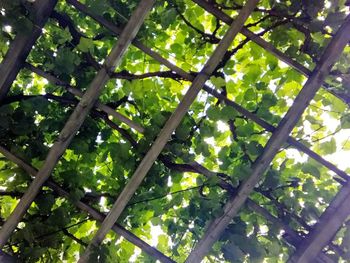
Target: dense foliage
{"type": "Point", "coordinates": [214, 143]}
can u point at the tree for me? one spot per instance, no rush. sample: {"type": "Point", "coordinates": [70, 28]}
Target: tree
{"type": "Point", "coordinates": [210, 153]}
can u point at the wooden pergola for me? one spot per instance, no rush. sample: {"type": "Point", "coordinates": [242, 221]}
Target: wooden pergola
{"type": "Point", "coordinates": [308, 248]}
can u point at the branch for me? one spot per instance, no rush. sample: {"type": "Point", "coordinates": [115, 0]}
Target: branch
{"type": "Point", "coordinates": [211, 38]}
{"type": "Point", "coordinates": [48, 96]}
{"type": "Point", "coordinates": [161, 74]}
{"type": "Point", "coordinates": [77, 92]}
{"type": "Point", "coordinates": [65, 21]}
{"type": "Point", "coordinates": [22, 44]}
{"type": "Point", "coordinates": [73, 102]}
{"type": "Point", "coordinates": [13, 194]}
{"type": "Point", "coordinates": [88, 209]}
{"type": "Point", "coordinates": [79, 241]}
{"type": "Point", "coordinates": [270, 48]}
{"type": "Point", "coordinates": [165, 195]}
{"type": "Point", "coordinates": [230, 53]}
{"type": "Point", "coordinates": [291, 236]}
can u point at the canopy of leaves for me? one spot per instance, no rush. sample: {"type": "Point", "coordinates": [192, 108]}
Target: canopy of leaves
{"type": "Point", "coordinates": [214, 142]}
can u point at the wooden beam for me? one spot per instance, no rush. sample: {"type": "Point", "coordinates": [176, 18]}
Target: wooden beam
{"type": "Point", "coordinates": [116, 30]}
{"type": "Point", "coordinates": [77, 92]}
{"type": "Point", "coordinates": [118, 229]}
{"type": "Point", "coordinates": [292, 237]}
{"type": "Point", "coordinates": [278, 138]}
{"type": "Point", "coordinates": [77, 118]}
{"type": "Point", "coordinates": [323, 232]}
{"type": "Point", "coordinates": [168, 128]}
{"type": "Point", "coordinates": [6, 258]}
{"type": "Point", "coordinates": [292, 141]}
{"type": "Point", "coordinates": [269, 47]}
{"type": "Point", "coordinates": [22, 44]}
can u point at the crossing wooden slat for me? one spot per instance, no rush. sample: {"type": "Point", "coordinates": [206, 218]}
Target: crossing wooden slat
{"type": "Point", "coordinates": [77, 92]}
{"type": "Point", "coordinates": [117, 30]}
{"type": "Point", "coordinates": [186, 75]}
{"type": "Point", "coordinates": [327, 226]}
{"type": "Point", "coordinates": [168, 129]}
{"type": "Point", "coordinates": [279, 136]}
{"type": "Point", "coordinates": [22, 44]}
{"type": "Point", "coordinates": [309, 248]}
{"type": "Point", "coordinates": [269, 48]}
{"type": "Point", "coordinates": [77, 118]}
{"type": "Point", "coordinates": [118, 229]}
{"type": "Point", "coordinates": [5, 258]}
{"type": "Point", "coordinates": [292, 141]}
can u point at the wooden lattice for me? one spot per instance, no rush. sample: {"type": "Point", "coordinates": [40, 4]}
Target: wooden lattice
{"type": "Point", "coordinates": [308, 248]}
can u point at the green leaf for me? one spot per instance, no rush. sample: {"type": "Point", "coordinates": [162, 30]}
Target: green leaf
{"type": "Point", "coordinates": [274, 249]}
{"type": "Point", "coordinates": [85, 44]}
{"type": "Point", "coordinates": [203, 148]}
{"type": "Point", "coordinates": [7, 205]}
{"type": "Point", "coordinates": [162, 242]}
{"type": "Point", "coordinates": [250, 95]}
{"type": "Point", "coordinates": [272, 179]}
{"type": "Point", "coordinates": [176, 48]}
{"type": "Point", "coordinates": [328, 147]}
{"type": "Point", "coordinates": [229, 67]}
{"type": "Point", "coordinates": [252, 73]}
{"type": "Point", "coordinates": [214, 113]}
{"type": "Point", "coordinates": [245, 130]}
{"type": "Point", "coordinates": [346, 239]}
{"type": "Point", "coordinates": [168, 17]}
{"type": "Point", "coordinates": [206, 130]}
{"type": "Point", "coordinates": [76, 194]}
{"type": "Point", "coordinates": [59, 217]}
{"type": "Point", "coordinates": [311, 169]}
{"type": "Point", "coordinates": [228, 113]}
{"type": "Point", "coordinates": [218, 82]}
{"type": "Point", "coordinates": [65, 61]}
{"type": "Point", "coordinates": [254, 148]}
{"type": "Point", "coordinates": [309, 186]}
{"type": "Point", "coordinates": [269, 100]}
{"type": "Point", "coordinates": [242, 171]}
{"type": "Point", "coordinates": [345, 121]}
{"type": "Point", "coordinates": [64, 37]}
{"type": "Point", "coordinates": [97, 7]}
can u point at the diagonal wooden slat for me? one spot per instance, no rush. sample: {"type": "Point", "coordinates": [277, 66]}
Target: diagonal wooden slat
{"type": "Point", "coordinates": [292, 237]}
{"type": "Point", "coordinates": [118, 229]}
{"type": "Point", "coordinates": [298, 145]}
{"type": "Point", "coordinates": [333, 207]}
{"type": "Point", "coordinates": [77, 117]}
{"type": "Point", "coordinates": [5, 258]}
{"type": "Point", "coordinates": [22, 44]}
{"type": "Point", "coordinates": [292, 141]}
{"type": "Point", "coordinates": [323, 232]}
{"type": "Point", "coordinates": [116, 30]}
{"type": "Point", "coordinates": [277, 139]}
{"type": "Point", "coordinates": [269, 47]}
{"type": "Point", "coordinates": [77, 92]}
{"type": "Point", "coordinates": [168, 129]}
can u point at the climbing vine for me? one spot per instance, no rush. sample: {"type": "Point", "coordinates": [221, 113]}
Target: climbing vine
{"type": "Point", "coordinates": [209, 154]}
